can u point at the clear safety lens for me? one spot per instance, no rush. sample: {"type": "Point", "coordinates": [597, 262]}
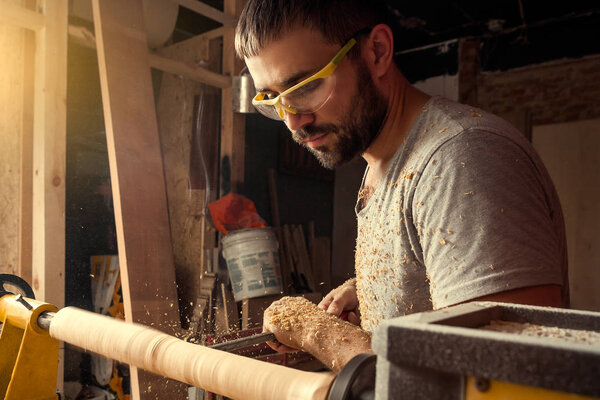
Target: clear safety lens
{"type": "Point", "coordinates": [306, 99]}
{"type": "Point", "coordinates": [268, 111]}
{"type": "Point", "coordinates": [310, 97]}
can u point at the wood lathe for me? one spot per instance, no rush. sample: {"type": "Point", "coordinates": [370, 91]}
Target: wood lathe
{"type": "Point", "coordinates": [444, 354]}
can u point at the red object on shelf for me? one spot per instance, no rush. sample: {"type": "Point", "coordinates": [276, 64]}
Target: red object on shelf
{"type": "Point", "coordinates": [234, 212]}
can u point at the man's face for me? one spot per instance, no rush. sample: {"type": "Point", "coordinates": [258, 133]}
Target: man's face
{"type": "Point", "coordinates": [347, 124]}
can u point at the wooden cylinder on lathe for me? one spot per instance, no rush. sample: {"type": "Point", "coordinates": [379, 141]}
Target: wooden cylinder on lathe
{"type": "Point", "coordinates": [216, 371]}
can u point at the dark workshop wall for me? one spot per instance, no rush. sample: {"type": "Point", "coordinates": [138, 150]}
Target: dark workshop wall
{"type": "Point", "coordinates": [303, 195]}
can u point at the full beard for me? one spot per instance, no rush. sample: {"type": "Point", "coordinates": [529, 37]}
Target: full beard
{"type": "Point", "coordinates": [358, 128]}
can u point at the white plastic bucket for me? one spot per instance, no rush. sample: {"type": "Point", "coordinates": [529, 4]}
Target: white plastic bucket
{"type": "Point", "coordinates": [253, 262]}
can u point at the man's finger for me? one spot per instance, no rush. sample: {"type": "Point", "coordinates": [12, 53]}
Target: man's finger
{"type": "Point", "coordinates": [323, 305]}
{"type": "Point", "coordinates": [353, 318]}
{"type": "Point", "coordinates": [274, 345]}
{"type": "Point", "coordinates": [281, 348]}
{"type": "Point", "coordinates": [325, 302]}
{"type": "Point", "coordinates": [334, 308]}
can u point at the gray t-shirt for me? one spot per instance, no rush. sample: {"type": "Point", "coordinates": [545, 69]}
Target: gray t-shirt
{"type": "Point", "coordinates": [465, 209]}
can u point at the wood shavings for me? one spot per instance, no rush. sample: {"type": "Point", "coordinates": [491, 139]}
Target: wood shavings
{"type": "Point", "coordinates": [554, 332]}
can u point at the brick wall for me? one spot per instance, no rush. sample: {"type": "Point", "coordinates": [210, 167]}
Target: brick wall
{"type": "Point", "coordinates": [553, 92]}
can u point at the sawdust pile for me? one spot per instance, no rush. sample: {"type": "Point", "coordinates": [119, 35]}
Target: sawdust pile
{"type": "Point", "coordinates": [297, 313]}
{"type": "Point", "coordinates": [553, 332]}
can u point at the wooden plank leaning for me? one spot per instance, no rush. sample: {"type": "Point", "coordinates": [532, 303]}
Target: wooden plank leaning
{"type": "Point", "coordinates": [138, 184]}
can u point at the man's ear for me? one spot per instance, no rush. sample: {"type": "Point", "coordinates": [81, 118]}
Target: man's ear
{"type": "Point", "coordinates": [380, 49]}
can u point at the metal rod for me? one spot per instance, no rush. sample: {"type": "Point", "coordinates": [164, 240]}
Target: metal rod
{"type": "Point", "coordinates": [44, 319]}
{"type": "Point", "coordinates": [244, 342]}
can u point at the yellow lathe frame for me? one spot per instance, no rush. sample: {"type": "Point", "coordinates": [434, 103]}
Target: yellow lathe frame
{"type": "Point", "coordinates": [29, 356]}
{"type": "Point", "coordinates": [510, 391]}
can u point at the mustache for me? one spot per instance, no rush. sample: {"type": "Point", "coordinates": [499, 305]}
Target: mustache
{"type": "Point", "coordinates": [312, 130]}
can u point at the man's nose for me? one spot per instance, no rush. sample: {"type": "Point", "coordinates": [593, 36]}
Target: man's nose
{"type": "Point", "coordinates": [298, 121]}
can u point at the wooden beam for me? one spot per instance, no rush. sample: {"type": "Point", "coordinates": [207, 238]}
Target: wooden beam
{"type": "Point", "coordinates": [26, 178]}
{"type": "Point", "coordinates": [233, 125]}
{"type": "Point", "coordinates": [13, 14]}
{"type": "Point", "coordinates": [201, 8]}
{"type": "Point", "coordinates": [212, 34]}
{"type": "Point", "coordinates": [139, 193]}
{"type": "Point", "coordinates": [198, 43]}
{"type": "Point", "coordinates": [189, 71]}
{"type": "Point", "coordinates": [49, 155]}
{"type": "Point", "coordinates": [12, 85]}
{"type": "Point", "coordinates": [85, 38]}
{"type": "Point", "coordinates": [82, 36]}
{"type": "Point", "coordinates": [468, 70]}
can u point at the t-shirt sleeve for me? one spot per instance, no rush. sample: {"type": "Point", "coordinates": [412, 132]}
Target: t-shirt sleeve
{"type": "Point", "coordinates": [483, 220]}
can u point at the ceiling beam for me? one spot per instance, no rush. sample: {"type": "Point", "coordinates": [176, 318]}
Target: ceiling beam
{"type": "Point", "coordinates": [208, 11]}
{"type": "Point", "coordinates": [84, 37]}
{"type": "Point", "coordinates": [20, 16]}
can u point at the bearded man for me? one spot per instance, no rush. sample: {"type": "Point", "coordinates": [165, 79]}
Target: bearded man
{"type": "Point", "coordinates": [455, 205]}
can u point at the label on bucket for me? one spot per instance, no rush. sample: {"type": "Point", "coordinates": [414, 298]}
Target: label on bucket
{"type": "Point", "coordinates": [254, 275]}
{"type": "Point", "coordinates": [253, 262]}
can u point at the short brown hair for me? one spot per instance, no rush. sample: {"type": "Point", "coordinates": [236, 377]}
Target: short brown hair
{"type": "Point", "coordinates": [262, 21]}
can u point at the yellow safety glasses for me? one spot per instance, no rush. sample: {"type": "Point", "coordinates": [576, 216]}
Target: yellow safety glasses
{"type": "Point", "coordinates": [306, 96]}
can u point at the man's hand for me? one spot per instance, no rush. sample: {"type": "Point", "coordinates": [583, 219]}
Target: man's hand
{"type": "Point", "coordinates": [281, 319]}
{"type": "Point", "coordinates": [299, 324]}
{"type": "Point", "coordinates": [343, 301]}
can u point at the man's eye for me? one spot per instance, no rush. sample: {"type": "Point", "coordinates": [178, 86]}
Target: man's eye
{"type": "Point", "coordinates": [309, 87]}
{"type": "Point", "coordinates": [270, 95]}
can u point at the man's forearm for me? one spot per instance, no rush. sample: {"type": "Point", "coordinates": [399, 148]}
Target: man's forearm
{"type": "Point", "coordinates": [300, 324]}
{"type": "Point", "coordinates": [335, 342]}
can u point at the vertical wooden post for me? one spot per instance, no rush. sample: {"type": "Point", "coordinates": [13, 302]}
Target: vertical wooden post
{"type": "Point", "coordinates": [12, 83]}
{"type": "Point", "coordinates": [138, 183]}
{"type": "Point", "coordinates": [233, 126]}
{"type": "Point", "coordinates": [49, 159]}
{"type": "Point", "coordinates": [26, 152]}
{"type": "Point", "coordinates": [49, 154]}
{"type": "Point", "coordinates": [468, 70]}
